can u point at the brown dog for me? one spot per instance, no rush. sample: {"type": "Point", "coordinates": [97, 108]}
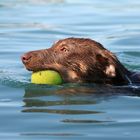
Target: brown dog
{"type": "Point", "coordinates": [80, 60]}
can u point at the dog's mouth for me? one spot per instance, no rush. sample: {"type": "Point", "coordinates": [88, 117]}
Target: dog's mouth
{"type": "Point", "coordinates": [35, 68]}
{"type": "Point", "coordinates": [41, 69]}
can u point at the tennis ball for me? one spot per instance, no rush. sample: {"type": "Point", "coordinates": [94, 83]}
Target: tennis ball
{"type": "Point", "coordinates": [46, 77]}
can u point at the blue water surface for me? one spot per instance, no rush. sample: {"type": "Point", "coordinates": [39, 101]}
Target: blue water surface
{"type": "Point", "coordinates": [68, 111]}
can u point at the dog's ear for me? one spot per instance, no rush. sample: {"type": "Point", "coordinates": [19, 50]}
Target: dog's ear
{"type": "Point", "coordinates": [110, 71]}
{"type": "Point", "coordinates": [108, 68]}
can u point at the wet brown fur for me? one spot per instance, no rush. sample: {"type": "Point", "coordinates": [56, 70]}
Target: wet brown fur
{"type": "Point", "coordinates": [79, 60]}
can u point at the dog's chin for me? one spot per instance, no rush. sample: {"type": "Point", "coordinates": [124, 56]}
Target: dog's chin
{"type": "Point", "coordinates": [40, 69]}
{"type": "Point", "coordinates": [36, 69]}
{"type": "Point", "coordinates": [33, 69]}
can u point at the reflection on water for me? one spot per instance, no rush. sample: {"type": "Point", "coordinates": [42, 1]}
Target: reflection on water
{"type": "Point", "coordinates": [37, 100]}
{"type": "Point", "coordinates": [87, 121]}
{"type": "Point", "coordinates": [71, 100]}
{"type": "Point", "coordinates": [74, 100]}
{"type": "Point", "coordinates": [72, 112]}
{"type": "Point", "coordinates": [51, 134]}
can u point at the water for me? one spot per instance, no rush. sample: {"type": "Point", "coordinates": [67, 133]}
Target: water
{"type": "Point", "coordinates": [69, 111]}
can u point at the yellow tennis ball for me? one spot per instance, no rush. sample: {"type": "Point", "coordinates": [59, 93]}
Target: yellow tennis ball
{"type": "Point", "coordinates": [46, 77]}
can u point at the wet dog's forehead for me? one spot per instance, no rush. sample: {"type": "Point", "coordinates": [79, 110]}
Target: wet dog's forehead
{"type": "Point", "coordinates": [78, 43]}
{"type": "Point", "coordinates": [66, 43]}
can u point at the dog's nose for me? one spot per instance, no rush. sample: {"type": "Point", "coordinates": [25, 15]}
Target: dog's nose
{"type": "Point", "coordinates": [26, 58]}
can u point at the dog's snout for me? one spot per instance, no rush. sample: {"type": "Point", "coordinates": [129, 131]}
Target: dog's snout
{"type": "Point", "coordinates": [26, 58]}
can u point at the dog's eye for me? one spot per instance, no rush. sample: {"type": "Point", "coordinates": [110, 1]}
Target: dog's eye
{"type": "Point", "coordinates": [63, 49]}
